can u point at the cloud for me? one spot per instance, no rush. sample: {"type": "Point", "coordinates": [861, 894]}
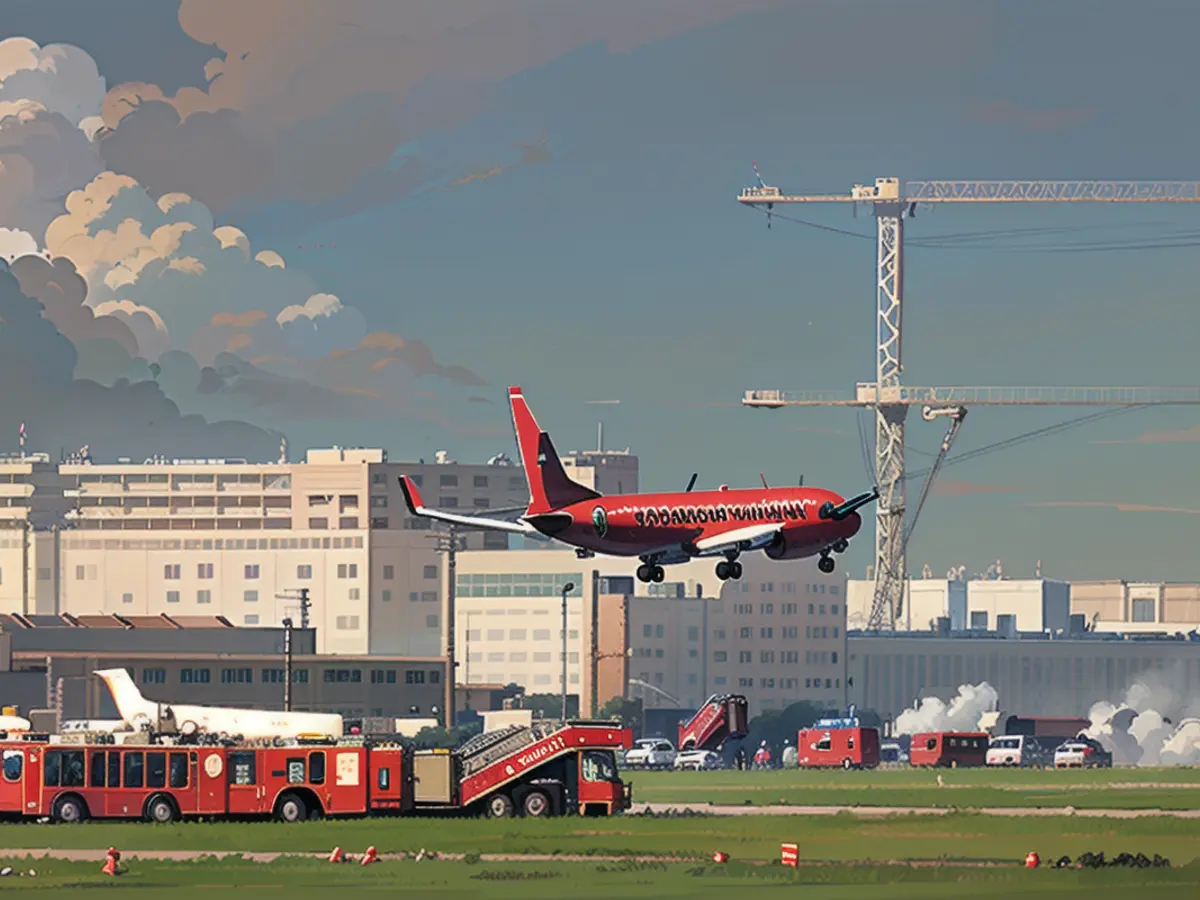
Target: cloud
{"type": "Point", "coordinates": [1176, 436]}
{"type": "Point", "coordinates": [167, 256]}
{"type": "Point", "coordinates": [60, 77]}
{"type": "Point", "coordinates": [1008, 114]}
{"type": "Point", "coordinates": [125, 419]}
{"type": "Point", "coordinates": [965, 488]}
{"type": "Point", "coordinates": [14, 243]}
{"type": "Point", "coordinates": [50, 100]}
{"type": "Point", "coordinates": [290, 79]}
{"type": "Point", "coordinates": [1120, 507]}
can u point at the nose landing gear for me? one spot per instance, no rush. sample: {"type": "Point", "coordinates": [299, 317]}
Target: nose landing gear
{"type": "Point", "coordinates": [825, 564]}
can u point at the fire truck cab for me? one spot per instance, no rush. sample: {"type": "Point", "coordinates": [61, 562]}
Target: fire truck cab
{"type": "Point", "coordinates": [838, 742]}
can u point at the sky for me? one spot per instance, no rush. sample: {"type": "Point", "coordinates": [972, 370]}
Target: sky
{"type": "Point", "coordinates": [357, 223]}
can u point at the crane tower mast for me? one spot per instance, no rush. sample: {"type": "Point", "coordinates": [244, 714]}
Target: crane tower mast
{"type": "Point", "coordinates": [892, 204]}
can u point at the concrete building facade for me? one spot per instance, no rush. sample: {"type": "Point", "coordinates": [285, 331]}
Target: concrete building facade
{"type": "Point", "coordinates": [229, 537]}
{"type": "Point", "coordinates": [1133, 607]}
{"type": "Point", "coordinates": [777, 635]}
{"type": "Point", "coordinates": [982, 604]}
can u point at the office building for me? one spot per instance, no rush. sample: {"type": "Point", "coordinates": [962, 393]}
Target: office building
{"type": "Point", "coordinates": [228, 538]}
{"type": "Point", "coordinates": [777, 635]}
{"type": "Point", "coordinates": [980, 604]}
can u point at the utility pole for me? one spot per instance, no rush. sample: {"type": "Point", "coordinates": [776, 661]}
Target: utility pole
{"type": "Point", "coordinates": [893, 203]}
{"type": "Point", "coordinates": [450, 542]}
{"type": "Point", "coordinates": [300, 597]}
{"type": "Point", "coordinates": [287, 665]}
{"type": "Point", "coordinates": [566, 589]}
{"type": "Point", "coordinates": [594, 674]}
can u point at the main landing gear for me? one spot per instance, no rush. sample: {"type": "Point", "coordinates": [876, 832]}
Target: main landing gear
{"type": "Point", "coordinates": [727, 569]}
{"type": "Point", "coordinates": [650, 571]}
{"type": "Point", "coordinates": [825, 563]}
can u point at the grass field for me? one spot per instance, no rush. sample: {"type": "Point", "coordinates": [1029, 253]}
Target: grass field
{"type": "Point", "coordinates": [300, 878]}
{"type": "Point", "coordinates": [1121, 788]}
{"type": "Point", "coordinates": [961, 836]}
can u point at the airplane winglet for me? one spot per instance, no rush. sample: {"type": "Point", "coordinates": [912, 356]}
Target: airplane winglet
{"type": "Point", "coordinates": [412, 496]}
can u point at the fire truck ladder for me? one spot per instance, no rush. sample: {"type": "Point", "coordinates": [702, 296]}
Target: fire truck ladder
{"type": "Point", "coordinates": [485, 749]}
{"type": "Point", "coordinates": [713, 725]}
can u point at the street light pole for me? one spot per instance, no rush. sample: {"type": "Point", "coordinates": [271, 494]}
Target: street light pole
{"type": "Point", "coordinates": [287, 665]}
{"type": "Point", "coordinates": [566, 589]}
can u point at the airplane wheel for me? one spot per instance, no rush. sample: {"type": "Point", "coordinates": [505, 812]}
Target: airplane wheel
{"type": "Point", "coordinates": [735, 570]}
{"type": "Point", "coordinates": [841, 546]}
{"type": "Point", "coordinates": [644, 573]}
{"type": "Point", "coordinates": [825, 564]}
{"type": "Point", "coordinates": [658, 574]}
{"type": "Point", "coordinates": [723, 570]}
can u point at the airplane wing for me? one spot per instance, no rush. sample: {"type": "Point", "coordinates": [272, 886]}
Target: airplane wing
{"type": "Point", "coordinates": [752, 537]}
{"type": "Point", "coordinates": [413, 498]}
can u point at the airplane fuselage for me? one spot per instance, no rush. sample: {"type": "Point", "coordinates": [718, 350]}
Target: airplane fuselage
{"type": "Point", "coordinates": [638, 524]}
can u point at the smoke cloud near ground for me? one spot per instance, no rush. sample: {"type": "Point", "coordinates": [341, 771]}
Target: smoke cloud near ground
{"type": "Point", "coordinates": [1156, 723]}
{"type": "Point", "coordinates": [962, 713]}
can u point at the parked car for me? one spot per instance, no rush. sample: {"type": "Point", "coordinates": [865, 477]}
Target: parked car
{"type": "Point", "coordinates": [651, 753]}
{"type": "Point", "coordinates": [698, 760]}
{"type": "Point", "coordinates": [1015, 750]}
{"type": "Point", "coordinates": [1082, 753]}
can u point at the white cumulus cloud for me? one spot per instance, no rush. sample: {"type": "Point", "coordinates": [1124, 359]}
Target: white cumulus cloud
{"type": "Point", "coordinates": [62, 78]}
{"type": "Point", "coordinates": [14, 243]}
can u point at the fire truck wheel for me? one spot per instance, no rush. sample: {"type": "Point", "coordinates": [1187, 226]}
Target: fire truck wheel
{"type": "Point", "coordinates": [499, 806]}
{"type": "Point", "coordinates": [847, 764]}
{"type": "Point", "coordinates": [69, 809]}
{"type": "Point", "coordinates": [291, 808]}
{"type": "Point", "coordinates": [160, 809]}
{"type": "Point", "coordinates": [536, 805]}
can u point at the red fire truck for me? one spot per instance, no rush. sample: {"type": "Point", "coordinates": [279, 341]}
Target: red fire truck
{"type": "Point", "coordinates": [549, 768]}
{"type": "Point", "coordinates": [838, 742]}
{"type": "Point", "coordinates": [721, 718]}
{"type": "Point", "coordinates": [946, 748]}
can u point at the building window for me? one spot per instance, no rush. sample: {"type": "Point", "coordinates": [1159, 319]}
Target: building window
{"type": "Point", "coordinates": [354, 593]}
{"type": "Point", "coordinates": [237, 676]}
{"type": "Point", "coordinates": [414, 676]}
{"type": "Point", "coordinates": [481, 481]}
{"type": "Point", "coordinates": [431, 572]}
{"type": "Point", "coordinates": [495, 540]}
{"type": "Point", "coordinates": [204, 570]}
{"type": "Point", "coordinates": [204, 596]}
{"type": "Point", "coordinates": [767, 633]}
{"type": "Point", "coordinates": [448, 502]}
{"type": "Point", "coordinates": [318, 523]}
{"type": "Point", "coordinates": [431, 621]}
{"type": "Point", "coordinates": [389, 572]}
{"type": "Point", "coordinates": [720, 656]}
{"type": "Point", "coordinates": [304, 573]}
{"type": "Point", "coordinates": [348, 522]}
{"type": "Point", "coordinates": [347, 570]}
{"type": "Point", "coordinates": [250, 597]}
{"type": "Point", "coordinates": [1143, 610]}
{"type": "Point", "coordinates": [448, 480]}
{"type": "Point", "coordinates": [744, 656]}
{"type": "Point", "coordinates": [79, 573]}
{"type": "Point", "coordinates": [251, 572]}
{"type": "Point", "coordinates": [171, 573]}
{"type": "Point", "coordinates": [377, 522]}
{"type": "Point", "coordinates": [347, 623]}
{"type": "Point", "coordinates": [647, 631]}
{"type": "Point", "coordinates": [414, 597]}
{"type": "Point", "coordinates": [251, 619]}
{"type": "Point", "coordinates": [979, 619]}
{"type": "Point", "coordinates": [127, 598]}
{"type": "Point", "coordinates": [482, 503]}
{"type": "Point", "coordinates": [194, 676]}
{"type": "Point", "coordinates": [429, 596]}
{"type": "Point", "coordinates": [172, 596]}
{"type": "Point", "coordinates": [154, 676]}
{"type": "Point", "coordinates": [387, 596]}
{"type": "Point", "coordinates": [379, 501]}
{"type": "Point", "coordinates": [693, 633]}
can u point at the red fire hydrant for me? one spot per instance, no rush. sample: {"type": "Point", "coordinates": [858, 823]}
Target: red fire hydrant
{"type": "Point", "coordinates": [720, 857]}
{"type": "Point", "coordinates": [1032, 860]}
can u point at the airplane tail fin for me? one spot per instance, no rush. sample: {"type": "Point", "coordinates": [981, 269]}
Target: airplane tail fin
{"type": "Point", "coordinates": [550, 488]}
{"type": "Point", "coordinates": [133, 707]}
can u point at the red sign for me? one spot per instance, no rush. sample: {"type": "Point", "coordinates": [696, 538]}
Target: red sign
{"type": "Point", "coordinates": [789, 855]}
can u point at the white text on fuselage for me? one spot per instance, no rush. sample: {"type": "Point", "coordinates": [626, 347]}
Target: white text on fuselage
{"type": "Point", "coordinates": [537, 754]}
{"type": "Point", "coordinates": [662, 516]}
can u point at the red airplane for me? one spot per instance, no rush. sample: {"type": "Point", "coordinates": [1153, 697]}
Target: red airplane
{"type": "Point", "coordinates": [664, 529]}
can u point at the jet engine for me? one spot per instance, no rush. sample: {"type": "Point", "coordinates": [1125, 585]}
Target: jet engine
{"type": "Point", "coordinates": [789, 546]}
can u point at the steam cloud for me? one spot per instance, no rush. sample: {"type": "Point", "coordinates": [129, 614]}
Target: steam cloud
{"type": "Point", "coordinates": [1153, 726]}
{"type": "Point", "coordinates": [962, 713]}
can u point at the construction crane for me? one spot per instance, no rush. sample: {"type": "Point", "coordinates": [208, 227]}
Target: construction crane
{"type": "Point", "coordinates": [892, 204]}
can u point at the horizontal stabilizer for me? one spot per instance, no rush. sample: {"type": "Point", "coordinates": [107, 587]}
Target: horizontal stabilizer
{"type": "Point", "coordinates": [412, 499]}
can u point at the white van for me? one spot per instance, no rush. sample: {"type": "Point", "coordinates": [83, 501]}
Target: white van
{"type": "Point", "coordinates": [1014, 750]}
